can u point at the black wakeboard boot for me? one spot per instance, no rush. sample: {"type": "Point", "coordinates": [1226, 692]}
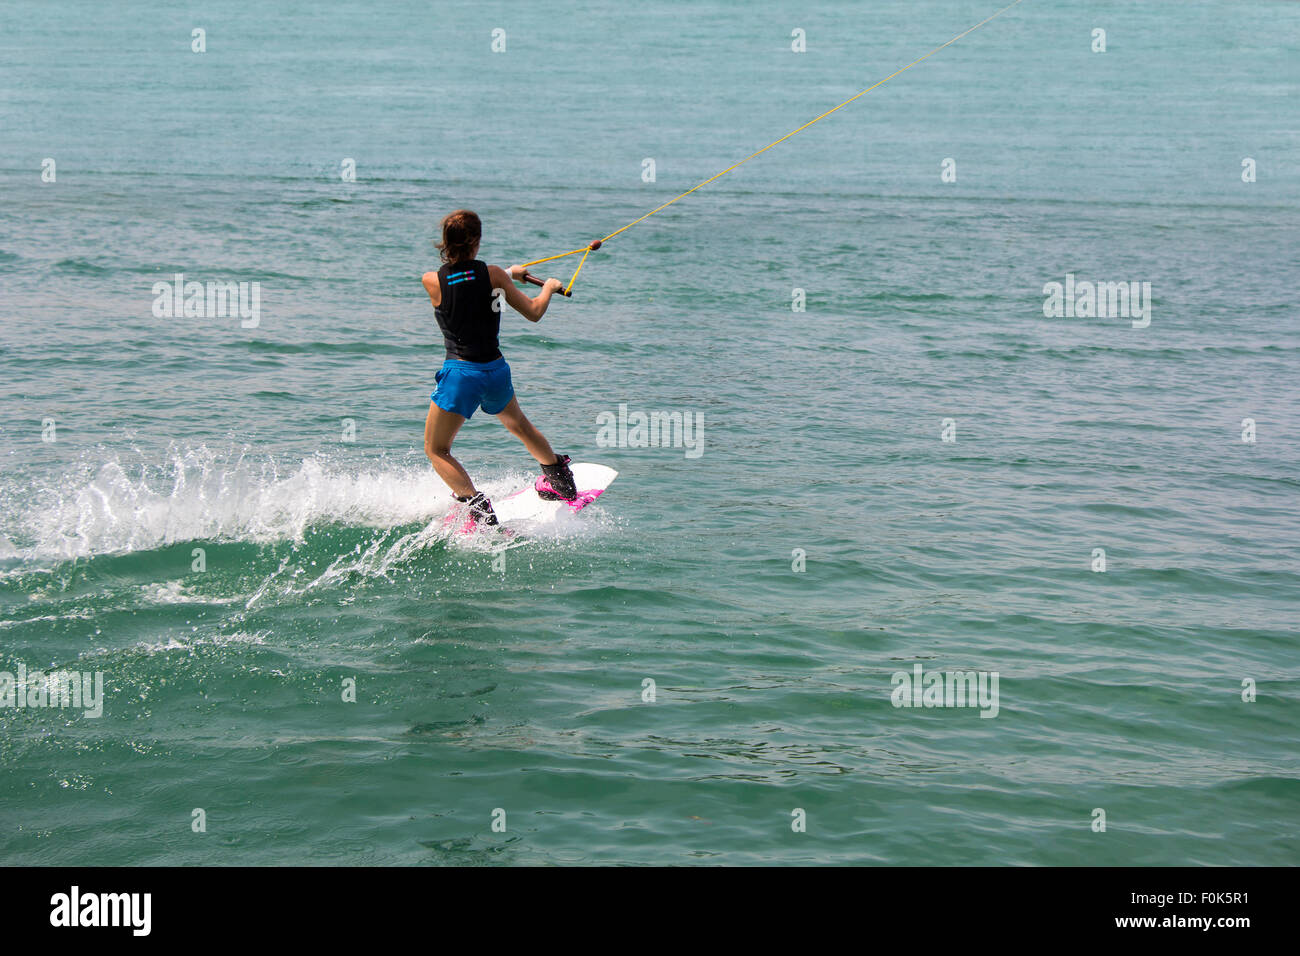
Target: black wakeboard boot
{"type": "Point", "coordinates": [480, 509]}
{"type": "Point", "coordinates": [556, 483]}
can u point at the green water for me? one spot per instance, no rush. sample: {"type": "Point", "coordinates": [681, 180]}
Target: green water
{"type": "Point", "coordinates": [825, 539]}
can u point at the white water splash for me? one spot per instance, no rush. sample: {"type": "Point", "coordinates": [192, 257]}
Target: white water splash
{"type": "Point", "coordinates": [116, 506]}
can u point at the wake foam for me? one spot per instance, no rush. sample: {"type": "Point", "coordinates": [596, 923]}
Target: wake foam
{"type": "Point", "coordinates": [115, 503]}
{"type": "Point", "coordinates": [112, 506]}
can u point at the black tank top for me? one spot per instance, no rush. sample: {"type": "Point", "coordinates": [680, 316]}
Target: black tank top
{"type": "Point", "coordinates": [469, 324]}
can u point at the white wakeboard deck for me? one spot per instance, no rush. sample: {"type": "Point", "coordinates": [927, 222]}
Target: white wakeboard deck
{"type": "Point", "coordinates": [525, 504]}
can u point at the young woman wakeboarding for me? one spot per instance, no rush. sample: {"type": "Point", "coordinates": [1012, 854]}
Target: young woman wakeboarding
{"type": "Point", "coordinates": [475, 374]}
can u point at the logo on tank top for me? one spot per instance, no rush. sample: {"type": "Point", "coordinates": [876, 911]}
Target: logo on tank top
{"type": "Point", "coordinates": [454, 278]}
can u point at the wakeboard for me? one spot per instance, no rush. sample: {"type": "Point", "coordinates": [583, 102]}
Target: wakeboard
{"type": "Point", "coordinates": [527, 507]}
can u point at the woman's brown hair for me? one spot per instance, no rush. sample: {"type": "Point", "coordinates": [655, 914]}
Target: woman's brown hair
{"type": "Point", "coordinates": [461, 232]}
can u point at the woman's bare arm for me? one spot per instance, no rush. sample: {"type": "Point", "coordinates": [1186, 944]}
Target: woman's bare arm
{"type": "Point", "coordinates": [530, 309]}
{"type": "Point", "coordinates": [433, 287]}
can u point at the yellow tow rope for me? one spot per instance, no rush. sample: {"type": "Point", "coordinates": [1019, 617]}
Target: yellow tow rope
{"type": "Point", "coordinates": [597, 243]}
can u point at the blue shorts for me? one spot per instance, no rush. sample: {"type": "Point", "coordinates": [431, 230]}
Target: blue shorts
{"type": "Point", "coordinates": [465, 386]}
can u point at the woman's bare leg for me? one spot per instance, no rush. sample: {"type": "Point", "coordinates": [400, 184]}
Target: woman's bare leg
{"type": "Point", "coordinates": [440, 430]}
{"type": "Point", "coordinates": [517, 424]}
